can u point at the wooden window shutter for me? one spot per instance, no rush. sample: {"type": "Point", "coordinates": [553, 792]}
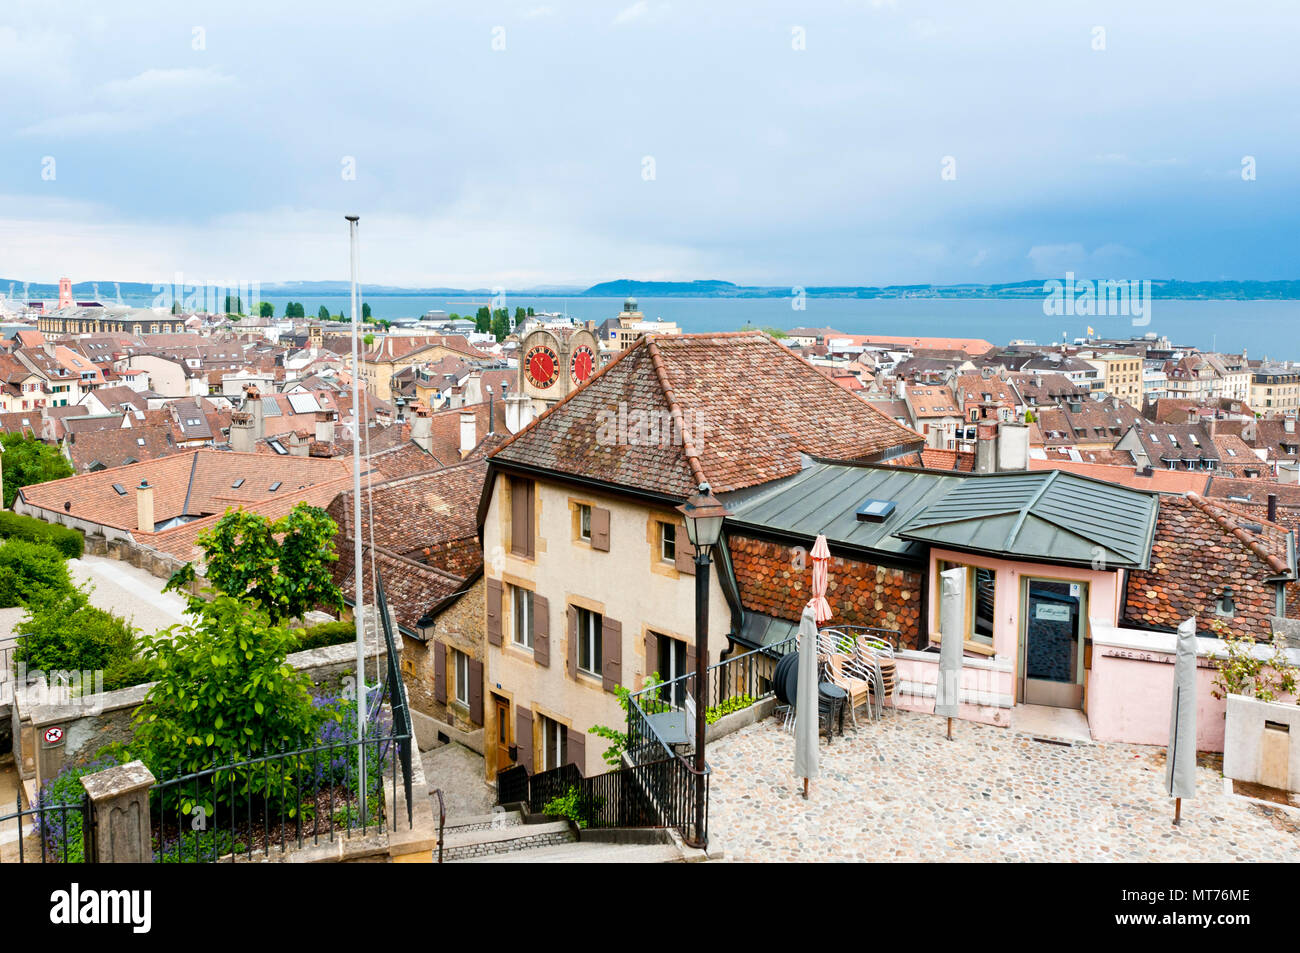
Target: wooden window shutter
{"type": "Point", "coordinates": [611, 641]}
{"type": "Point", "coordinates": [541, 631]}
{"type": "Point", "coordinates": [439, 672]}
{"type": "Point", "coordinates": [600, 529]}
{"type": "Point", "coordinates": [521, 517]}
{"type": "Point", "coordinates": [524, 737]}
{"type": "Point", "coordinates": [685, 553]}
{"type": "Point", "coordinates": [476, 692]}
{"type": "Point", "coordinates": [494, 593]}
{"type": "Point", "coordinates": [576, 742]}
{"type": "Point", "coordinates": [571, 662]}
{"type": "Point", "coordinates": [652, 653]}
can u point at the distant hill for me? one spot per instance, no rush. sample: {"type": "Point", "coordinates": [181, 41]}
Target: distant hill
{"type": "Point", "coordinates": [664, 289]}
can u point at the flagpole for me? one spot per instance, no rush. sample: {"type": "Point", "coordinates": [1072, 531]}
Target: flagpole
{"type": "Point", "coordinates": [356, 525]}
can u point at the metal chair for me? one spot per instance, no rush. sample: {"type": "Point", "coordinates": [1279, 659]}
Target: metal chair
{"type": "Point", "coordinates": [844, 671]}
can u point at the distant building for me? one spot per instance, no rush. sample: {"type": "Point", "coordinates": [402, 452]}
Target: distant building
{"type": "Point", "coordinates": [618, 334]}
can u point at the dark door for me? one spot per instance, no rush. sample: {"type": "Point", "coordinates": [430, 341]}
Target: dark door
{"type": "Point", "coordinates": [1051, 634]}
{"type": "Point", "coordinates": [503, 732]}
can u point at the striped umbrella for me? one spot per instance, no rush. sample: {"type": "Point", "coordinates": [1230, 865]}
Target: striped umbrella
{"type": "Point", "coordinates": [821, 558]}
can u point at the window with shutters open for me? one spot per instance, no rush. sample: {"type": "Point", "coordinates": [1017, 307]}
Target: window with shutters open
{"type": "Point", "coordinates": [668, 542]}
{"type": "Point", "coordinates": [590, 647]}
{"type": "Point", "coordinates": [554, 744]}
{"type": "Point", "coordinates": [584, 522]}
{"type": "Point", "coordinates": [462, 677]}
{"type": "Point", "coordinates": [521, 616]}
{"type": "Point", "coordinates": [672, 665]}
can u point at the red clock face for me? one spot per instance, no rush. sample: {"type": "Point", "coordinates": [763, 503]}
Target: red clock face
{"type": "Point", "coordinates": [581, 364]}
{"type": "Point", "coordinates": [542, 366]}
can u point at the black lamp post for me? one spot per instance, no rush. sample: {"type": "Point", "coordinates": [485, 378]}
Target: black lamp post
{"type": "Point", "coordinates": [703, 515]}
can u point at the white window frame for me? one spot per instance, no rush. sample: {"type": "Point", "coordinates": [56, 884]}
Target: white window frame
{"type": "Point", "coordinates": [554, 736]}
{"type": "Point", "coordinates": [666, 542]}
{"type": "Point", "coordinates": [462, 677]}
{"type": "Point", "coordinates": [590, 641]}
{"type": "Point", "coordinates": [584, 522]}
{"type": "Point", "coordinates": [521, 617]}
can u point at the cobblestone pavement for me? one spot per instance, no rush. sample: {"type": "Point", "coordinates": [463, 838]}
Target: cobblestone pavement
{"type": "Point", "coordinates": [898, 791]}
{"type": "Point", "coordinates": [459, 772]}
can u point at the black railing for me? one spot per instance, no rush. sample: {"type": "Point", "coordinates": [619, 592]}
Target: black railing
{"type": "Point", "coordinates": [401, 708]}
{"type": "Point", "coordinates": [512, 785]}
{"type": "Point", "coordinates": [64, 832]}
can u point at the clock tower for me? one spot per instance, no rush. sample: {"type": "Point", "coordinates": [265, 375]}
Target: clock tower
{"type": "Point", "coordinates": [554, 362]}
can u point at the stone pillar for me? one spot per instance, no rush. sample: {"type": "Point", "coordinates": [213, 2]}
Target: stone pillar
{"type": "Point", "coordinates": [119, 798]}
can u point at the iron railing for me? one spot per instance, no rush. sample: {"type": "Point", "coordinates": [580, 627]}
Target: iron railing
{"type": "Point", "coordinates": [65, 832]}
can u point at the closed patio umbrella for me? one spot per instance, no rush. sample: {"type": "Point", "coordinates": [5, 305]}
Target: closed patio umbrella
{"type": "Point", "coordinates": [805, 712]}
{"type": "Point", "coordinates": [821, 558]}
{"type": "Point", "coordinates": [952, 618]}
{"type": "Point", "coordinates": [1180, 760]}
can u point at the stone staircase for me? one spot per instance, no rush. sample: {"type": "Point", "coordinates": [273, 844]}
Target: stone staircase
{"type": "Point", "coordinates": [503, 837]}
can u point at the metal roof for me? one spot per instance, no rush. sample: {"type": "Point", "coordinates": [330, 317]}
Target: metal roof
{"type": "Point", "coordinates": [1053, 516]}
{"type": "Point", "coordinates": [825, 497]}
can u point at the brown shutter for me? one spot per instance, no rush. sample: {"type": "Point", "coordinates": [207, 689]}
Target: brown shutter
{"type": "Point", "coordinates": [651, 653]}
{"type": "Point", "coordinates": [476, 692]}
{"type": "Point", "coordinates": [439, 672]}
{"type": "Point", "coordinates": [530, 535]}
{"type": "Point", "coordinates": [521, 517]}
{"type": "Point", "coordinates": [685, 552]}
{"type": "Point", "coordinates": [541, 631]}
{"type": "Point", "coordinates": [576, 742]}
{"type": "Point", "coordinates": [524, 737]}
{"type": "Point", "coordinates": [600, 529]}
{"type": "Point", "coordinates": [494, 593]}
{"type": "Point", "coordinates": [611, 646]}
{"type": "Point", "coordinates": [571, 663]}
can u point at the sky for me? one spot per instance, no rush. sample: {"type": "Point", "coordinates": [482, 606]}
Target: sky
{"type": "Point", "coordinates": [539, 143]}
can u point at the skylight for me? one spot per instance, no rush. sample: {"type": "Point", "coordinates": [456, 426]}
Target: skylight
{"type": "Point", "coordinates": [237, 484]}
{"type": "Point", "coordinates": [275, 486]}
{"type": "Point", "coordinates": [121, 490]}
{"type": "Point", "coordinates": [875, 511]}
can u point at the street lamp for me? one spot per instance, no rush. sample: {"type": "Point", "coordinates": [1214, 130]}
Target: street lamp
{"type": "Point", "coordinates": [703, 515]}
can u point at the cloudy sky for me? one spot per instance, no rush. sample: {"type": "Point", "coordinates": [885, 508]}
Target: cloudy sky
{"type": "Point", "coordinates": [553, 142]}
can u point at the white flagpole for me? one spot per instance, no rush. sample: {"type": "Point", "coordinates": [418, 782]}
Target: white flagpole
{"type": "Point", "coordinates": [356, 525]}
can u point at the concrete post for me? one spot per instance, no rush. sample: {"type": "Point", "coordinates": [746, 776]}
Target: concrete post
{"type": "Point", "coordinates": [119, 800]}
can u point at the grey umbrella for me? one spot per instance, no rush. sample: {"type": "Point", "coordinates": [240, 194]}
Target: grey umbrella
{"type": "Point", "coordinates": [1180, 761]}
{"type": "Point", "coordinates": [952, 617]}
{"type": "Point", "coordinates": [805, 711]}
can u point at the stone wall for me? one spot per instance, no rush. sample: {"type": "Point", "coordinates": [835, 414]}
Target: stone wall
{"type": "Point", "coordinates": [461, 627]}
{"type": "Point", "coordinates": [775, 580]}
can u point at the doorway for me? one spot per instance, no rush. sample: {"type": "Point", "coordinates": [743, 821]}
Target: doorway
{"type": "Point", "coordinates": [502, 707]}
{"type": "Point", "coordinates": [1051, 642]}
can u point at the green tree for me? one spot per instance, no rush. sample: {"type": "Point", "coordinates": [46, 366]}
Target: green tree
{"type": "Point", "coordinates": [281, 566]}
{"type": "Point", "coordinates": [234, 305]}
{"type": "Point", "coordinates": [365, 311]}
{"type": "Point", "coordinates": [63, 631]}
{"type": "Point", "coordinates": [483, 321]}
{"type": "Point", "coordinates": [28, 570]}
{"type": "Point", "coordinates": [294, 309]}
{"type": "Point", "coordinates": [368, 340]}
{"type": "Point", "coordinates": [265, 309]}
{"type": "Point", "coordinates": [501, 324]}
{"type": "Point", "coordinates": [530, 311]}
{"type": "Point", "coordinates": [27, 461]}
{"type": "Point", "coordinates": [224, 689]}
{"type": "Point", "coordinates": [324, 314]}
{"type": "Point", "coordinates": [520, 314]}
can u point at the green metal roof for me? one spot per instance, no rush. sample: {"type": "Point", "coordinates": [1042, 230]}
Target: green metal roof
{"type": "Point", "coordinates": [824, 498]}
{"type": "Point", "coordinates": [1047, 515]}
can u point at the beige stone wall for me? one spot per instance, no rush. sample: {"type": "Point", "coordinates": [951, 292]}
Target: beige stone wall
{"type": "Point", "coordinates": [628, 584]}
{"type": "Point", "coordinates": [462, 627]}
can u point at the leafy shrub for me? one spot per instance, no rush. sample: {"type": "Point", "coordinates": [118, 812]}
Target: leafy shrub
{"type": "Point", "coordinates": [327, 633]}
{"type": "Point", "coordinates": [196, 846]}
{"type": "Point", "coordinates": [734, 703]}
{"type": "Point", "coordinates": [651, 704]}
{"type": "Point", "coordinates": [224, 691]}
{"type": "Point", "coordinates": [577, 806]}
{"type": "Point", "coordinates": [341, 765]}
{"type": "Point", "coordinates": [66, 540]}
{"type": "Point", "coordinates": [125, 672]}
{"type": "Point", "coordinates": [62, 631]}
{"type": "Point", "coordinates": [26, 461]}
{"type": "Point", "coordinates": [28, 568]}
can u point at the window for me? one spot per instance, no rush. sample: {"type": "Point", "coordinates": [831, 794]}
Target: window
{"type": "Point", "coordinates": [521, 613]}
{"type": "Point", "coordinates": [462, 677]}
{"type": "Point", "coordinates": [584, 521]}
{"type": "Point", "coordinates": [590, 646]}
{"type": "Point", "coordinates": [554, 744]}
{"type": "Point", "coordinates": [981, 586]}
{"type": "Point", "coordinates": [668, 542]}
{"type": "Point", "coordinates": [672, 664]}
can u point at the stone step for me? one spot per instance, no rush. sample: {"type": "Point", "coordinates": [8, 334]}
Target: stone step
{"type": "Point", "coordinates": [462, 845]}
{"type": "Point", "coordinates": [587, 852]}
{"type": "Point", "coordinates": [494, 821]}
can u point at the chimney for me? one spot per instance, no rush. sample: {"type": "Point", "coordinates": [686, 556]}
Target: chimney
{"type": "Point", "coordinates": [241, 432]}
{"type": "Point", "coordinates": [299, 445]}
{"type": "Point", "coordinates": [253, 407]}
{"type": "Point", "coordinates": [1013, 446]}
{"type": "Point", "coordinates": [325, 426]}
{"type": "Point", "coordinates": [1272, 507]}
{"type": "Point", "coordinates": [519, 411]}
{"type": "Point", "coordinates": [144, 507]}
{"type": "Point", "coordinates": [422, 428]}
{"type": "Point", "coordinates": [986, 445]}
{"type": "Point", "coordinates": [468, 433]}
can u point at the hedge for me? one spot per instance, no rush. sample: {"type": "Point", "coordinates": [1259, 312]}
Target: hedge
{"type": "Point", "coordinates": [68, 541]}
{"type": "Point", "coordinates": [327, 633]}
